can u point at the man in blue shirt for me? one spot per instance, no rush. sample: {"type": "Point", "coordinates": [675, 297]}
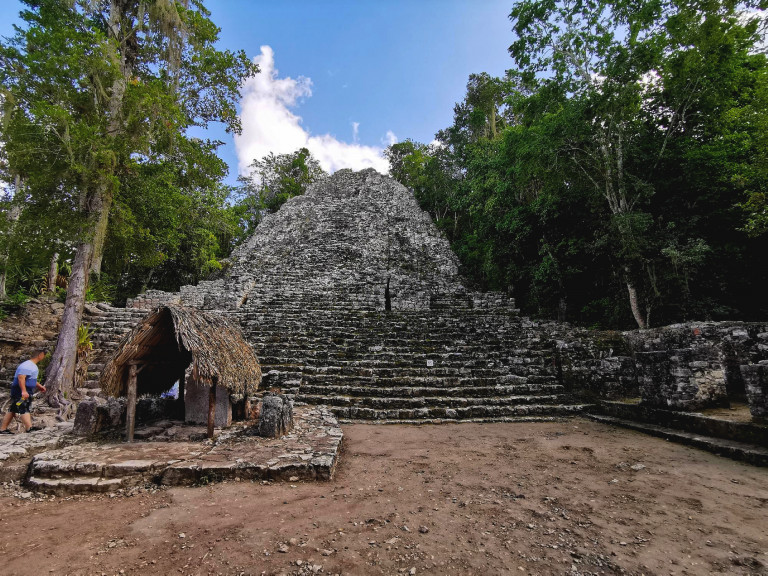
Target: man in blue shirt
{"type": "Point", "coordinates": [24, 385]}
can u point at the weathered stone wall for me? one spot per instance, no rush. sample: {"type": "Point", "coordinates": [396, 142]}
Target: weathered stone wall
{"type": "Point", "coordinates": [99, 415]}
{"type": "Point", "coordinates": [756, 384]}
{"type": "Point", "coordinates": [151, 299]}
{"type": "Point", "coordinates": [594, 364]}
{"type": "Point", "coordinates": [696, 365]}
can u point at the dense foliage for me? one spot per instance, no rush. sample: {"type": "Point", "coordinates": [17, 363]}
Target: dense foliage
{"type": "Point", "coordinates": [617, 176]}
{"type": "Point", "coordinates": [98, 100]}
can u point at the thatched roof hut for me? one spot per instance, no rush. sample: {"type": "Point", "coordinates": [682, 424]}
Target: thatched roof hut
{"type": "Point", "coordinates": [171, 338]}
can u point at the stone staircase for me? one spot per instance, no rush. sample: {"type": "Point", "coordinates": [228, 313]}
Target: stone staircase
{"type": "Point", "coordinates": [110, 325]}
{"type": "Point", "coordinates": [444, 363]}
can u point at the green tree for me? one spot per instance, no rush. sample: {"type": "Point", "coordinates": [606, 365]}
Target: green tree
{"type": "Point", "coordinates": [612, 64]}
{"type": "Point", "coordinates": [173, 224]}
{"type": "Point", "coordinates": [100, 84]}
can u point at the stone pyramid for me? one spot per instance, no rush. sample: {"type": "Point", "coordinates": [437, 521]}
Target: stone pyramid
{"type": "Point", "coordinates": [309, 289]}
{"type": "Point", "coordinates": [343, 241]}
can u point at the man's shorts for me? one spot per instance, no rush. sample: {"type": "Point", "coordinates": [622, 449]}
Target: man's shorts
{"type": "Point", "coordinates": [20, 406]}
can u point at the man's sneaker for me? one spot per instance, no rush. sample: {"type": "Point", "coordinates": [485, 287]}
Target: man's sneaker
{"type": "Point", "coordinates": [5, 432]}
{"type": "Point", "coordinates": [34, 429]}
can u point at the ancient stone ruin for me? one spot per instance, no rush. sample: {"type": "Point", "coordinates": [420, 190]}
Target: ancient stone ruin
{"type": "Point", "coordinates": [352, 301]}
{"type": "Point", "coordinates": [351, 298]}
{"type": "Point", "coordinates": [310, 291]}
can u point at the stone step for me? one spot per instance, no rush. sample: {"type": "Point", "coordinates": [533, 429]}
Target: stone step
{"type": "Point", "coordinates": [422, 381]}
{"type": "Point", "coordinates": [376, 349]}
{"type": "Point", "coordinates": [408, 372]}
{"type": "Point", "coordinates": [412, 331]}
{"type": "Point", "coordinates": [408, 375]}
{"type": "Point", "coordinates": [389, 402]}
{"type": "Point", "coordinates": [73, 486]}
{"type": "Point", "coordinates": [447, 391]}
{"type": "Point", "coordinates": [400, 362]}
{"type": "Point", "coordinates": [753, 454]}
{"type": "Point", "coordinates": [463, 413]}
{"type": "Point", "coordinates": [431, 421]}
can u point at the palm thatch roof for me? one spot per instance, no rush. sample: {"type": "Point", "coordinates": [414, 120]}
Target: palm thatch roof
{"type": "Point", "coordinates": [171, 338]}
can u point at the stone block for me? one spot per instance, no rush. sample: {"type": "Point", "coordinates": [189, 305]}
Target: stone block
{"type": "Point", "coordinates": [15, 472]}
{"type": "Point", "coordinates": [756, 387]}
{"type": "Point", "coordinates": [276, 416]}
{"type": "Point", "coordinates": [86, 418]}
{"type": "Point", "coordinates": [196, 399]}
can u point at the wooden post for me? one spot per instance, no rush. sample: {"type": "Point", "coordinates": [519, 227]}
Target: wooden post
{"type": "Point", "coordinates": [130, 419]}
{"type": "Point", "coordinates": [181, 396]}
{"type": "Point", "coordinates": [211, 408]}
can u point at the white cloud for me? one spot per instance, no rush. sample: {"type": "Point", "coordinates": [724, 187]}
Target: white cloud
{"type": "Point", "coordinates": [269, 125]}
{"type": "Point", "coordinates": [389, 138]}
{"type": "Point", "coordinates": [355, 131]}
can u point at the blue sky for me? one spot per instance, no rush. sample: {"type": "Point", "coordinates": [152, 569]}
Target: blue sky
{"type": "Point", "coordinates": [346, 77]}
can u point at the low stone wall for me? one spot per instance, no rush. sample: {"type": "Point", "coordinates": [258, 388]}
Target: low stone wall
{"type": "Point", "coordinates": [750, 433]}
{"type": "Point", "coordinates": [594, 365]}
{"type": "Point", "coordinates": [96, 415]}
{"type": "Point", "coordinates": [152, 299]}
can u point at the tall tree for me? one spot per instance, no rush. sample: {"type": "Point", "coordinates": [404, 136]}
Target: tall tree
{"type": "Point", "coordinates": [107, 82]}
{"type": "Point", "coordinates": [601, 59]}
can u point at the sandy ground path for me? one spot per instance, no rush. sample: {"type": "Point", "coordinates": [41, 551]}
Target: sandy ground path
{"type": "Point", "coordinates": [572, 497]}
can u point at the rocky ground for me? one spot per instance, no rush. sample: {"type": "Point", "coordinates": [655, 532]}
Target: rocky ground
{"type": "Point", "coordinates": [574, 497]}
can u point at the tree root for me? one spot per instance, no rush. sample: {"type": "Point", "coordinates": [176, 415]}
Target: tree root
{"type": "Point", "coordinates": [64, 407]}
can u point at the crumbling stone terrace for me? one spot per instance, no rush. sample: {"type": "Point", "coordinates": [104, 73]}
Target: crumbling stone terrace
{"type": "Point", "coordinates": [57, 462]}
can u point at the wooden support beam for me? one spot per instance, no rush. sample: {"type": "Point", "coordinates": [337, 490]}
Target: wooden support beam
{"type": "Point", "coordinates": [183, 406]}
{"type": "Point", "coordinates": [211, 409]}
{"type": "Point", "coordinates": [130, 419]}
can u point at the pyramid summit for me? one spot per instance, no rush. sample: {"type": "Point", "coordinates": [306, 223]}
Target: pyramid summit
{"type": "Point", "coordinates": [343, 241]}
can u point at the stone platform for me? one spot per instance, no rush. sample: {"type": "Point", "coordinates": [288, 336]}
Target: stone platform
{"type": "Point", "coordinates": [310, 452]}
{"type": "Point", "coordinates": [17, 450]}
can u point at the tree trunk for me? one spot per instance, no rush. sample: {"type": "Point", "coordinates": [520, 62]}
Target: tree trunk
{"type": "Point", "coordinates": [53, 273]}
{"type": "Point", "coordinates": [634, 304]}
{"type": "Point", "coordinates": [61, 371]}
{"type": "Point", "coordinates": [14, 213]}
{"type": "Point", "coordinates": [118, 11]}
{"type": "Point", "coordinates": [562, 310]}
{"type": "Point", "coordinates": [100, 234]}
{"type": "Point", "coordinates": [89, 252]}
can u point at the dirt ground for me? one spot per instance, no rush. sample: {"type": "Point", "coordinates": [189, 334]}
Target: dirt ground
{"type": "Point", "coordinates": [572, 497]}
